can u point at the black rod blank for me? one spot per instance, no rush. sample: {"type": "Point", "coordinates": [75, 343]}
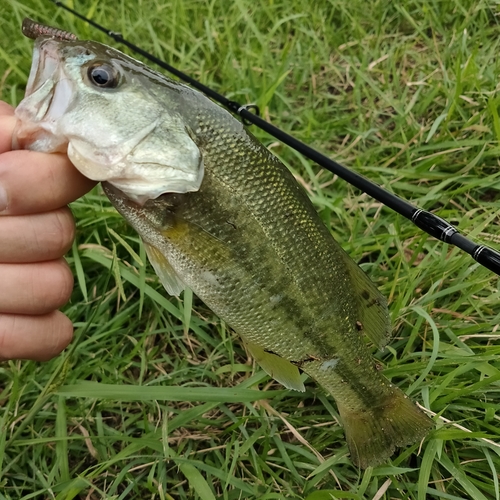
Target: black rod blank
{"type": "Point", "coordinates": [427, 221]}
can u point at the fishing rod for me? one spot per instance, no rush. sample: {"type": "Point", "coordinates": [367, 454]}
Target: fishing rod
{"type": "Point", "coordinates": [432, 224]}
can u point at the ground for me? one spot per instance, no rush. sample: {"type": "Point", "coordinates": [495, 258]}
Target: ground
{"type": "Point", "coordinates": [156, 398]}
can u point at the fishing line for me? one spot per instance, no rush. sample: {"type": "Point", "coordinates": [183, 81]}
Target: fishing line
{"type": "Point", "coordinates": [427, 221]}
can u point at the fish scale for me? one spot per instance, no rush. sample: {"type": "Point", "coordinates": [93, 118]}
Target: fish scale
{"type": "Point", "coordinates": [218, 213]}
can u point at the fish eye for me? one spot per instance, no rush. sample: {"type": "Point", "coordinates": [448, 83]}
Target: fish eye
{"type": "Point", "coordinates": [103, 75]}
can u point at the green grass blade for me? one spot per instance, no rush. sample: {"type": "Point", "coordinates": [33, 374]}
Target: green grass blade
{"type": "Point", "coordinates": [459, 474]}
{"type": "Point", "coordinates": [137, 393]}
{"type": "Point", "coordinates": [196, 481]}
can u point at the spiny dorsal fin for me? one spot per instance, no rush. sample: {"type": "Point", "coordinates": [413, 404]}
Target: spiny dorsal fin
{"type": "Point", "coordinates": [373, 316]}
{"type": "Point", "coordinates": [169, 278]}
{"type": "Point", "coordinates": [277, 367]}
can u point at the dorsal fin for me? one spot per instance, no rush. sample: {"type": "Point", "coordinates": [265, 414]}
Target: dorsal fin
{"type": "Point", "coordinates": [277, 367]}
{"type": "Point", "coordinates": [372, 313]}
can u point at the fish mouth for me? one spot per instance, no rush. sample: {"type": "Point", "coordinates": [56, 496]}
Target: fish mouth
{"type": "Point", "coordinates": [48, 96]}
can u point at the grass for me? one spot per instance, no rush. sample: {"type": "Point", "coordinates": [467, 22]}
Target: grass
{"type": "Point", "coordinates": [156, 398]}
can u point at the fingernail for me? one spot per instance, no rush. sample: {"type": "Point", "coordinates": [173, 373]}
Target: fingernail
{"type": "Point", "coordinates": [4, 201]}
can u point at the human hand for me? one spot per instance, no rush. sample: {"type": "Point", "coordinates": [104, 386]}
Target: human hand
{"type": "Point", "coordinates": [36, 230]}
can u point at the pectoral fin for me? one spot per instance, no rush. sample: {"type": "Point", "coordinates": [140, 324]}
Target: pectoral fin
{"type": "Point", "coordinates": [169, 278]}
{"type": "Point", "coordinates": [278, 368]}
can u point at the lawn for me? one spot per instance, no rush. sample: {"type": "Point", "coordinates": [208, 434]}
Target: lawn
{"type": "Point", "coordinates": [156, 398]}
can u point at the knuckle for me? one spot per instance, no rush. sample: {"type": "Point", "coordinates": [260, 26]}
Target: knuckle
{"type": "Point", "coordinates": [35, 288]}
{"type": "Point", "coordinates": [62, 280]}
{"type": "Point", "coordinates": [38, 338]}
{"type": "Point", "coordinates": [7, 327]}
{"type": "Point", "coordinates": [52, 286]}
{"type": "Point", "coordinates": [61, 334]}
{"type": "Point", "coordinates": [64, 230]}
{"type": "Point", "coordinates": [65, 331]}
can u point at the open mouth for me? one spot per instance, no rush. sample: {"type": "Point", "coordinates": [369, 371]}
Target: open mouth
{"type": "Point", "coordinates": [48, 96]}
{"type": "Point", "coordinates": [44, 64]}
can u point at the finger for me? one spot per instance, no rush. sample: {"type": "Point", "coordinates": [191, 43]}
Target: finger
{"type": "Point", "coordinates": [7, 124]}
{"type": "Point", "coordinates": [6, 109]}
{"type": "Point", "coordinates": [39, 182]}
{"type": "Point", "coordinates": [36, 288]}
{"type": "Point", "coordinates": [36, 237]}
{"type": "Point", "coordinates": [34, 337]}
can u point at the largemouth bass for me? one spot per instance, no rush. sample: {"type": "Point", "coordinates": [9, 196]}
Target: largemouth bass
{"type": "Point", "coordinates": [218, 213]}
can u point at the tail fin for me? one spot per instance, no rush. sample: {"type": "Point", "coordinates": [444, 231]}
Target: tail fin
{"type": "Point", "coordinates": [373, 435]}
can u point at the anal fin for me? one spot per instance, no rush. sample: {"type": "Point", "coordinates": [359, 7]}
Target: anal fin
{"type": "Point", "coordinates": [277, 367]}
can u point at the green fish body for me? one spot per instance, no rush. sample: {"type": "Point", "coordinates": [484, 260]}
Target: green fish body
{"type": "Point", "coordinates": [228, 221]}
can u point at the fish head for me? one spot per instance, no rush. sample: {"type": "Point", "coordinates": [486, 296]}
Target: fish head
{"type": "Point", "coordinates": [118, 120]}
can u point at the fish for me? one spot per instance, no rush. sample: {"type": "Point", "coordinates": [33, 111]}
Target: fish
{"type": "Point", "coordinates": [220, 215]}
